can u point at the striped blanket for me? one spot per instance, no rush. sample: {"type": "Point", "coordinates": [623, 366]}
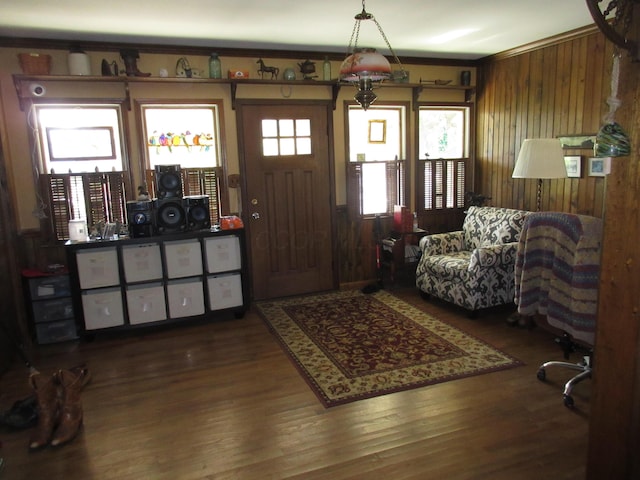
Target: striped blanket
{"type": "Point", "coordinates": [557, 271]}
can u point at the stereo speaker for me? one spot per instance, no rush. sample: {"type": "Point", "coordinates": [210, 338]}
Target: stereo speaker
{"type": "Point", "coordinates": [168, 181]}
{"type": "Point", "coordinates": [197, 211]}
{"type": "Point", "coordinates": [170, 215]}
{"type": "Point", "coordinates": [140, 218]}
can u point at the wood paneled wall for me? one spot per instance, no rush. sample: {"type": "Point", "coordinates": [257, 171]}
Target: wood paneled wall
{"type": "Point", "coordinates": [554, 90]}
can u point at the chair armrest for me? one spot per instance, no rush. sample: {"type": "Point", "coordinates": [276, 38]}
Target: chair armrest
{"type": "Point", "coordinates": [504, 254]}
{"type": "Point", "coordinates": [441, 243]}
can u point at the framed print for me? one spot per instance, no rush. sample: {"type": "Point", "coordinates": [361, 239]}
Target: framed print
{"type": "Point", "coordinates": [580, 142]}
{"type": "Point", "coordinates": [377, 131]}
{"type": "Point", "coordinates": [573, 164]}
{"type": "Point", "coordinates": [599, 166]}
{"type": "Point", "coordinates": [82, 143]}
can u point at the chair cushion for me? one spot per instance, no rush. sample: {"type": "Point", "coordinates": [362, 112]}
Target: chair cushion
{"type": "Point", "coordinates": [449, 266]}
{"type": "Point", "coordinates": [485, 226]}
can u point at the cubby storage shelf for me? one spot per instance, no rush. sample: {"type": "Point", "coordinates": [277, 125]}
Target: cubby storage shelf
{"type": "Point", "coordinates": [141, 282]}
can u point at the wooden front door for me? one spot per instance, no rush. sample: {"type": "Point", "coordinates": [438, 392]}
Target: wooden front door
{"type": "Point", "coordinates": [288, 196]}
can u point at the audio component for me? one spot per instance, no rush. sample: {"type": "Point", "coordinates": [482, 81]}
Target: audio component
{"type": "Point", "coordinates": [168, 181]}
{"type": "Point", "coordinates": [169, 215]}
{"type": "Point", "coordinates": [197, 211]}
{"type": "Point", "coordinates": [140, 218]}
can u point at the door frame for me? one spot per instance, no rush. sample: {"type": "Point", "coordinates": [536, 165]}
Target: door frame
{"type": "Point", "coordinates": [332, 177]}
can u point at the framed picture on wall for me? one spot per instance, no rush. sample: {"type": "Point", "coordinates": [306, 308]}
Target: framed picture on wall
{"type": "Point", "coordinates": [573, 164]}
{"type": "Point", "coordinates": [599, 166]}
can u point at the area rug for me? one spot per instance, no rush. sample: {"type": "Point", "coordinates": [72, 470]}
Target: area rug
{"type": "Point", "coordinates": [351, 346]}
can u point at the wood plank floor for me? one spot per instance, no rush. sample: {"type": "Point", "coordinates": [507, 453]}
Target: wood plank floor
{"type": "Point", "coordinates": [222, 401]}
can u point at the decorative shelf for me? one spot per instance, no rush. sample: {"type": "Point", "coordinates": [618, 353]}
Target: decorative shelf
{"type": "Point", "coordinates": [20, 82]}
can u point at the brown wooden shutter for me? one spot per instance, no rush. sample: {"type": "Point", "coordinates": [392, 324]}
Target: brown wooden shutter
{"type": "Point", "coordinates": [354, 189]}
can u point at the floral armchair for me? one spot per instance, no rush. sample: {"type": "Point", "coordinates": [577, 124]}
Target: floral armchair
{"type": "Point", "coordinates": [473, 267]}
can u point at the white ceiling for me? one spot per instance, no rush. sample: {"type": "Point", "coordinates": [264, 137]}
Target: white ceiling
{"type": "Point", "coordinates": [461, 29]}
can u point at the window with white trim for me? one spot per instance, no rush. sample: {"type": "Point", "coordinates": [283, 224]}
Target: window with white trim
{"type": "Point", "coordinates": [443, 156]}
{"type": "Point", "coordinates": [376, 163]}
{"type": "Point", "coordinates": [81, 167]}
{"type": "Point", "coordinates": [189, 135]}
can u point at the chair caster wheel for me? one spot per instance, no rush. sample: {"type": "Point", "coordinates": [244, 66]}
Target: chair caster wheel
{"type": "Point", "coordinates": [568, 401]}
{"type": "Point", "coordinates": [542, 374]}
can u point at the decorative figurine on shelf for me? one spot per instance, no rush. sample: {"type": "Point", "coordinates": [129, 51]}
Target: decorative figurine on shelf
{"type": "Point", "coordinates": [143, 193]}
{"type": "Point", "coordinates": [109, 69]}
{"type": "Point", "coordinates": [130, 58]}
{"type": "Point", "coordinates": [183, 69]}
{"type": "Point", "coordinates": [266, 69]}
{"type": "Point", "coordinates": [307, 68]}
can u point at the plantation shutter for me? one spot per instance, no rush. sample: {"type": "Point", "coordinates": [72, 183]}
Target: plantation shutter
{"type": "Point", "coordinates": [95, 197]}
{"type": "Point", "coordinates": [354, 189]}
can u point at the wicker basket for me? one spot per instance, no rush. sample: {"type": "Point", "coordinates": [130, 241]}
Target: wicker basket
{"type": "Point", "coordinates": [34, 63]}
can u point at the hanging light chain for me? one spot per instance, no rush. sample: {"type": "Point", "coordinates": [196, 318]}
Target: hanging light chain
{"type": "Point", "coordinates": [355, 34]}
{"type": "Point", "coordinates": [393, 53]}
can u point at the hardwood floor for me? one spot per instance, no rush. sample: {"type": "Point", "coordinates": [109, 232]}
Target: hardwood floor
{"type": "Point", "coordinates": [223, 401]}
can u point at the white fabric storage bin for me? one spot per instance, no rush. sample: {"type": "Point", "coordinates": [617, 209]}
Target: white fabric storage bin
{"type": "Point", "coordinates": [142, 262]}
{"type": "Point", "coordinates": [146, 303]}
{"type": "Point", "coordinates": [183, 258]}
{"type": "Point", "coordinates": [225, 291]}
{"type": "Point", "coordinates": [185, 297]}
{"type": "Point", "coordinates": [98, 267]}
{"type": "Point", "coordinates": [223, 254]}
{"type": "Point", "coordinates": [102, 308]}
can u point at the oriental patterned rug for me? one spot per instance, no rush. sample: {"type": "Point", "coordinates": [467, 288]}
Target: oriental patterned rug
{"type": "Point", "coordinates": [351, 346]}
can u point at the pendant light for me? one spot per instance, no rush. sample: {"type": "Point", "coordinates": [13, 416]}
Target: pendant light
{"type": "Point", "coordinates": [365, 66]}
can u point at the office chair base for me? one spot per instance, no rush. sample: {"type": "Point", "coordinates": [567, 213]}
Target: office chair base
{"type": "Point", "coordinates": [583, 368]}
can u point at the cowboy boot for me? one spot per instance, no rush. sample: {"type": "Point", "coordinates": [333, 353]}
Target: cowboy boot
{"type": "Point", "coordinates": [130, 58]}
{"type": "Point", "coordinates": [70, 408]}
{"type": "Point", "coordinates": [46, 391]}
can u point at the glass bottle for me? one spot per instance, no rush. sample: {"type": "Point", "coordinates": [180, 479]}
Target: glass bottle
{"type": "Point", "coordinates": [215, 67]}
{"type": "Point", "coordinates": [326, 69]}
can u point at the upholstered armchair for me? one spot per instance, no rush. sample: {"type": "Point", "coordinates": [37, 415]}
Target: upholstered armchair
{"type": "Point", "coordinates": [473, 267]}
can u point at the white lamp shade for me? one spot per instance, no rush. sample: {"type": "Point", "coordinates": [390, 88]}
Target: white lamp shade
{"type": "Point", "coordinates": [540, 158]}
{"type": "Point", "coordinates": [365, 62]}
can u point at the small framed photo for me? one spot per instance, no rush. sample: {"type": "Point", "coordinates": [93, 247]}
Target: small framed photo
{"type": "Point", "coordinates": [573, 164]}
{"type": "Point", "coordinates": [599, 166]}
{"type": "Point", "coordinates": [377, 131]}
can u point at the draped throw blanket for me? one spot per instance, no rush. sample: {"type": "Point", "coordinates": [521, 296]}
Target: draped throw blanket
{"type": "Point", "coordinates": [557, 271]}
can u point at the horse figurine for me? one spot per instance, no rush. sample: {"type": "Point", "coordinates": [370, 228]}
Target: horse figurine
{"type": "Point", "coordinates": [265, 69]}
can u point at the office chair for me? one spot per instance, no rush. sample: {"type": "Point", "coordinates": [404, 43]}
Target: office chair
{"type": "Point", "coordinates": [557, 274]}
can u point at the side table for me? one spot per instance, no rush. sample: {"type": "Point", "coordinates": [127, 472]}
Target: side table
{"type": "Point", "coordinates": [400, 252]}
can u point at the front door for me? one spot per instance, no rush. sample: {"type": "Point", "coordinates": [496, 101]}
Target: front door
{"type": "Point", "coordinates": [288, 197]}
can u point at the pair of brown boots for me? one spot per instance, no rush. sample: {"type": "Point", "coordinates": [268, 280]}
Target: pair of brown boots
{"type": "Point", "coordinates": [59, 407]}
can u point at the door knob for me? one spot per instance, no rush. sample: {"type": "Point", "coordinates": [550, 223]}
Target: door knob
{"type": "Point", "coordinates": [255, 215]}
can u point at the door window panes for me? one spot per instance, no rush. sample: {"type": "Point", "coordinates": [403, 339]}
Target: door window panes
{"type": "Point", "coordinates": [286, 137]}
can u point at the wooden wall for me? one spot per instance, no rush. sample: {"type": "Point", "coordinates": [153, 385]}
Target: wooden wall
{"type": "Point", "coordinates": [562, 88]}
{"type": "Point", "coordinates": [557, 89]}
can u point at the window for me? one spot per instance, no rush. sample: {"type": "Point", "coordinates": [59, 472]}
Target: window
{"type": "Point", "coordinates": [286, 137]}
{"type": "Point", "coordinates": [189, 135]}
{"type": "Point", "coordinates": [81, 166]}
{"type": "Point", "coordinates": [376, 159]}
{"type": "Point", "coordinates": [443, 155]}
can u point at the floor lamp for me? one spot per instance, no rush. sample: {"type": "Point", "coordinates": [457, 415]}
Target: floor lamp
{"type": "Point", "coordinates": [540, 158]}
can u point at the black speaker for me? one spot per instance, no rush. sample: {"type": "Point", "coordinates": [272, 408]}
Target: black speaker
{"type": "Point", "coordinates": [169, 215]}
{"type": "Point", "coordinates": [140, 218]}
{"type": "Point", "coordinates": [168, 181]}
{"type": "Point", "coordinates": [197, 211]}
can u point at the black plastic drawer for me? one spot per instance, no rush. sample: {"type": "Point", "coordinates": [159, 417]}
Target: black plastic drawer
{"type": "Point", "coordinates": [54, 309]}
{"type": "Point", "coordinates": [48, 287]}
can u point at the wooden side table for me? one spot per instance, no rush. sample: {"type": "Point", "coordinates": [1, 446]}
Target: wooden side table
{"type": "Point", "coordinates": [394, 251]}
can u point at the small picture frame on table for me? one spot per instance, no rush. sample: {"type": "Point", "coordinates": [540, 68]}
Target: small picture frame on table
{"type": "Point", "coordinates": [574, 165]}
{"type": "Point", "coordinates": [599, 166]}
